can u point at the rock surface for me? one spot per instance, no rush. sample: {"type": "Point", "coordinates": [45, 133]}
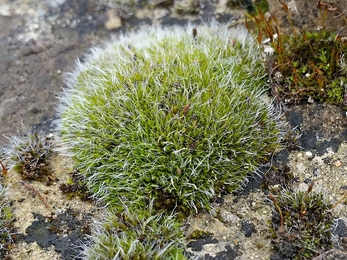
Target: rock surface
{"type": "Point", "coordinates": [39, 42]}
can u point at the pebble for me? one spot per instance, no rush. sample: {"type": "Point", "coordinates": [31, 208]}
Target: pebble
{"type": "Point", "coordinates": [338, 163]}
{"type": "Point", "coordinates": [228, 217]}
{"type": "Point", "coordinates": [113, 21]}
{"type": "Point", "coordinates": [303, 187]}
{"type": "Point", "coordinates": [309, 154]}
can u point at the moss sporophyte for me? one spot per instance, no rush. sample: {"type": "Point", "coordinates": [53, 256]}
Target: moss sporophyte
{"type": "Point", "coordinates": [168, 116]}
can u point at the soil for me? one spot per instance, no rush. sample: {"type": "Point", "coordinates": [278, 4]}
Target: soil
{"type": "Point", "coordinates": [39, 42]}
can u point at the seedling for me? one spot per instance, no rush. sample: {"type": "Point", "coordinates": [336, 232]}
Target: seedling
{"type": "Point", "coordinates": [4, 170]}
{"type": "Point", "coordinates": [340, 200]}
{"type": "Point", "coordinates": [76, 186]}
{"type": "Point", "coordinates": [281, 228]}
{"type": "Point", "coordinates": [33, 189]}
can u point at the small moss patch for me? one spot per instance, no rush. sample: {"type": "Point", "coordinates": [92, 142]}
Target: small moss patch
{"type": "Point", "coordinates": [303, 229]}
{"type": "Point", "coordinates": [29, 156]}
{"type": "Point", "coordinates": [302, 65]}
{"type": "Point", "coordinates": [145, 234]}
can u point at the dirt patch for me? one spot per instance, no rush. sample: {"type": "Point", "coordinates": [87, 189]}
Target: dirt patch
{"type": "Point", "coordinates": [57, 225]}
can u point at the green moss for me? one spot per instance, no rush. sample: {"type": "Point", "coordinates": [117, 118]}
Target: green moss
{"type": "Point", "coordinates": [29, 155]}
{"type": "Point", "coordinates": [302, 65]}
{"type": "Point", "coordinates": [163, 115]}
{"type": "Point", "coordinates": [199, 234]}
{"type": "Point", "coordinates": [307, 224]}
{"type": "Point", "coordinates": [311, 67]}
{"type": "Point", "coordinates": [6, 223]}
{"type": "Point", "coordinates": [144, 235]}
{"type": "Point", "coordinates": [252, 7]}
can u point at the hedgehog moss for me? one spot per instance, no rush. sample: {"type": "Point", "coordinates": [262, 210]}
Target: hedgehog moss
{"type": "Point", "coordinates": [29, 155]}
{"type": "Point", "coordinates": [170, 115]}
{"type": "Point", "coordinates": [302, 228]}
{"type": "Point", "coordinates": [145, 234]}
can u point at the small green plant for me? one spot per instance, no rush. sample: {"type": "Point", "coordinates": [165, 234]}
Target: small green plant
{"type": "Point", "coordinates": [305, 64]}
{"type": "Point", "coordinates": [76, 186]}
{"type": "Point", "coordinates": [146, 234]}
{"type": "Point", "coordinates": [29, 155]}
{"type": "Point", "coordinates": [250, 6]}
{"type": "Point", "coordinates": [302, 223]}
{"type": "Point", "coordinates": [166, 115]}
{"type": "Point", "coordinates": [200, 234]}
{"type": "Point", "coordinates": [6, 223]}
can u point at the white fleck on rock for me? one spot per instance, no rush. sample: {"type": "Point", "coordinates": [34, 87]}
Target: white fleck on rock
{"type": "Point", "coordinates": [318, 161]}
{"type": "Point", "coordinates": [299, 167]}
{"type": "Point", "coordinates": [303, 187]}
{"type": "Point", "coordinates": [309, 154]}
{"type": "Point", "coordinates": [228, 217]}
{"type": "Point", "coordinates": [338, 163]}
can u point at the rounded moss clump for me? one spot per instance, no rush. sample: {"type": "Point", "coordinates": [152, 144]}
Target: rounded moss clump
{"type": "Point", "coordinates": [144, 235]}
{"type": "Point", "coordinates": [173, 115]}
{"type": "Point", "coordinates": [6, 223]}
{"type": "Point", "coordinates": [29, 155]}
{"type": "Point", "coordinates": [303, 227]}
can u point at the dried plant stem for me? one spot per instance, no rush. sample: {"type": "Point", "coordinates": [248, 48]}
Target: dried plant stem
{"type": "Point", "coordinates": [304, 199]}
{"type": "Point", "coordinates": [33, 189]}
{"type": "Point", "coordinates": [281, 229]}
{"type": "Point", "coordinates": [337, 203]}
{"type": "Point", "coordinates": [4, 170]}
